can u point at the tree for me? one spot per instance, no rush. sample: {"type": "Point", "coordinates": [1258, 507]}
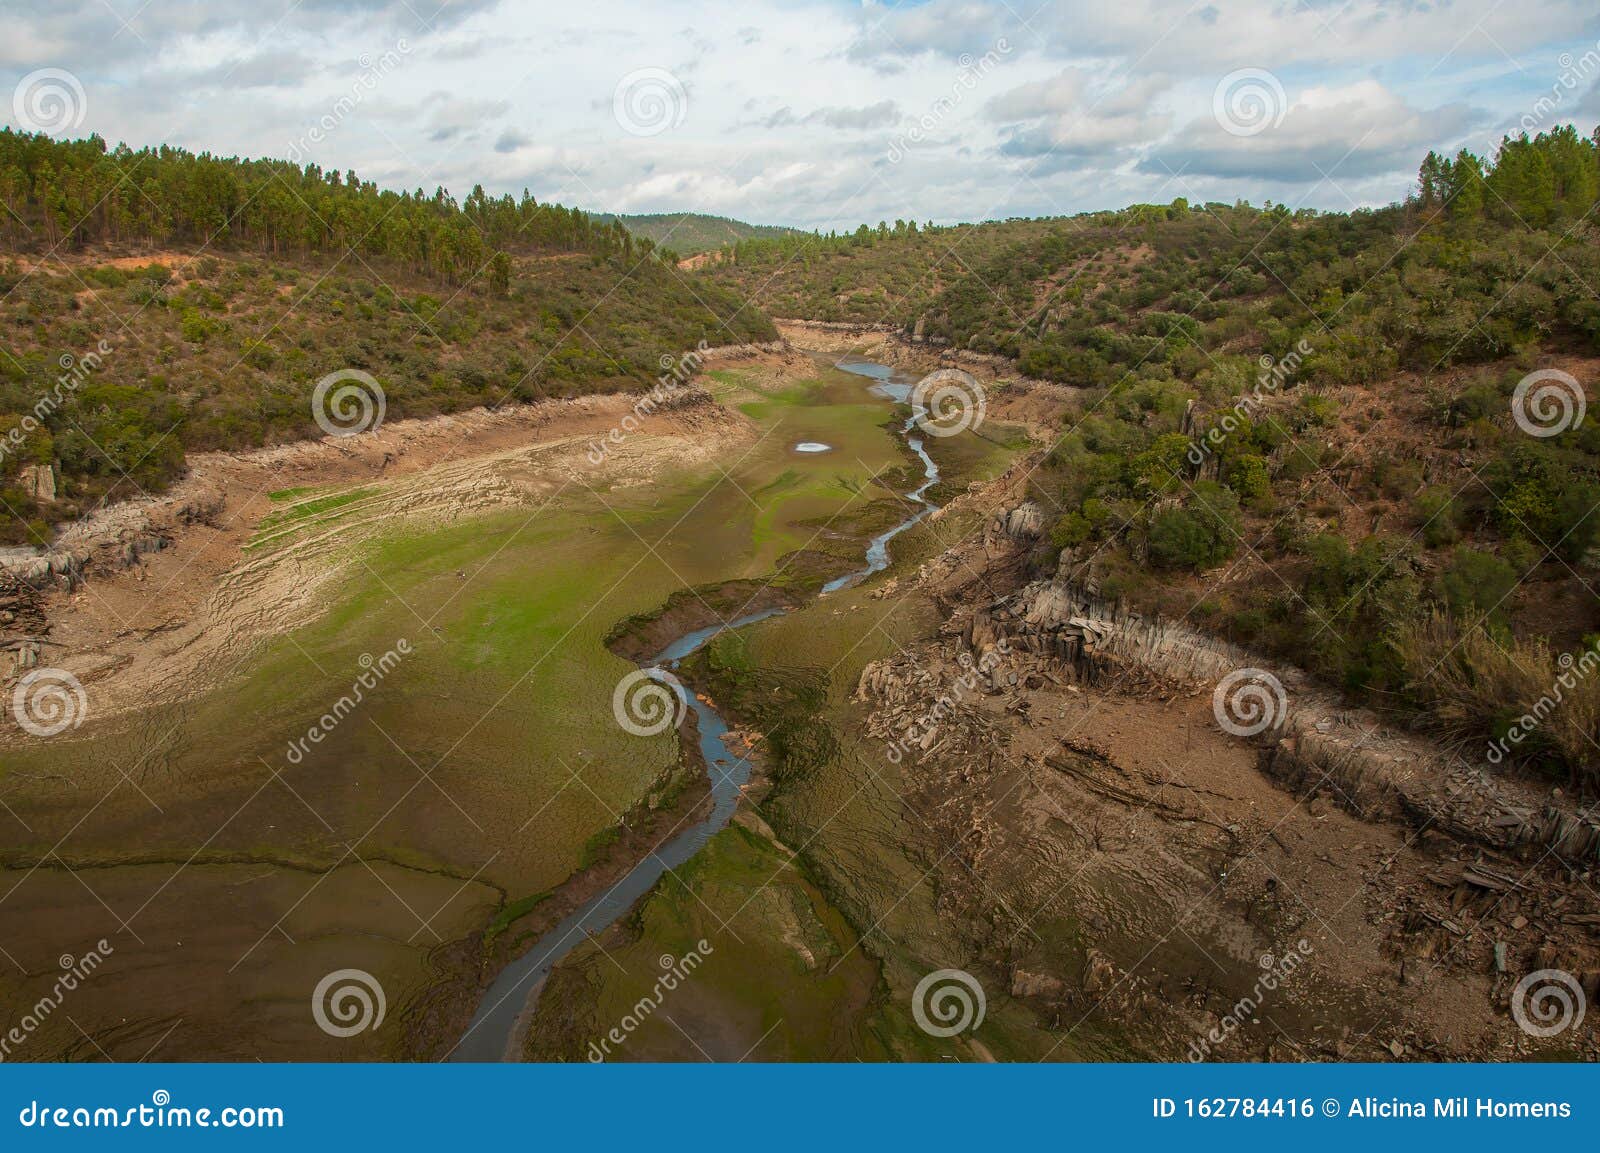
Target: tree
{"type": "Point", "coordinates": [500, 274]}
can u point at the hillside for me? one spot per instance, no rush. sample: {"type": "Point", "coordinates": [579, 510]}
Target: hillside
{"type": "Point", "coordinates": [155, 302]}
{"type": "Point", "coordinates": [1352, 440]}
{"type": "Point", "coordinates": [693, 233]}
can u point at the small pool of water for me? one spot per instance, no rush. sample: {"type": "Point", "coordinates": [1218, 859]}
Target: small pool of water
{"type": "Point", "coordinates": [813, 446]}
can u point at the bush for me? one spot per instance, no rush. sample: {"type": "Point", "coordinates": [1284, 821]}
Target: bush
{"type": "Point", "coordinates": [1200, 534]}
{"type": "Point", "coordinates": [1070, 531]}
{"type": "Point", "coordinates": [1179, 540]}
{"type": "Point", "coordinates": [1247, 475]}
{"type": "Point", "coordinates": [1476, 583]}
{"type": "Point", "coordinates": [1161, 466]}
{"type": "Point", "coordinates": [1439, 517]}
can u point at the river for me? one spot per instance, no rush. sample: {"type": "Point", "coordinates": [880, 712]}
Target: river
{"type": "Point", "coordinates": [497, 1028]}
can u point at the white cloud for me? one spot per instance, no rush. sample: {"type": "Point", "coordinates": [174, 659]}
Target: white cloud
{"type": "Point", "coordinates": [817, 112]}
{"type": "Point", "coordinates": [1073, 116]}
{"type": "Point", "coordinates": [1326, 133]}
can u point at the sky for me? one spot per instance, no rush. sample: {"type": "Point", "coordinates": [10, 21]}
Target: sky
{"type": "Point", "coordinates": [819, 113]}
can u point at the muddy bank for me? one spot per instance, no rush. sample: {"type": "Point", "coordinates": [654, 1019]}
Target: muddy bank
{"type": "Point", "coordinates": [464, 969]}
{"type": "Point", "coordinates": [640, 638]}
{"type": "Point", "coordinates": [183, 588]}
{"type": "Point", "coordinates": [1124, 861]}
{"type": "Point", "coordinates": [662, 642]}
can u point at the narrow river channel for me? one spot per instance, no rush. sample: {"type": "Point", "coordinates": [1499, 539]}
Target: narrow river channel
{"type": "Point", "coordinates": [499, 1025]}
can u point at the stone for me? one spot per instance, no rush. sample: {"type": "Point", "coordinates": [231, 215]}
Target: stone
{"type": "Point", "coordinates": [38, 481]}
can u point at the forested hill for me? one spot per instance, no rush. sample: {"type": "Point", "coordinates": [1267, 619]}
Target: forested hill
{"type": "Point", "coordinates": [81, 193]}
{"type": "Point", "coordinates": [224, 289]}
{"type": "Point", "coordinates": [1086, 299]}
{"type": "Point", "coordinates": [692, 233]}
{"type": "Point", "coordinates": [1365, 442]}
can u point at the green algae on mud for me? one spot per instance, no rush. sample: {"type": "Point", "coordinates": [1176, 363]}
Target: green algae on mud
{"type": "Point", "coordinates": [788, 985]}
{"type": "Point", "coordinates": [488, 757]}
{"type": "Point", "coordinates": [791, 678]}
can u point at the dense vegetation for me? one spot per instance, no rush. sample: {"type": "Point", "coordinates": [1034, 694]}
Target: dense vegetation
{"type": "Point", "coordinates": [76, 193]}
{"type": "Point", "coordinates": [691, 233]}
{"type": "Point", "coordinates": [224, 289]}
{"type": "Point", "coordinates": [1296, 428]}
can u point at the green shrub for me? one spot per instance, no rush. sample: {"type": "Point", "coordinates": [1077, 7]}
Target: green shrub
{"type": "Point", "coordinates": [1201, 533]}
{"type": "Point", "coordinates": [1476, 583]}
{"type": "Point", "coordinates": [1247, 475]}
{"type": "Point", "coordinates": [1438, 515]}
